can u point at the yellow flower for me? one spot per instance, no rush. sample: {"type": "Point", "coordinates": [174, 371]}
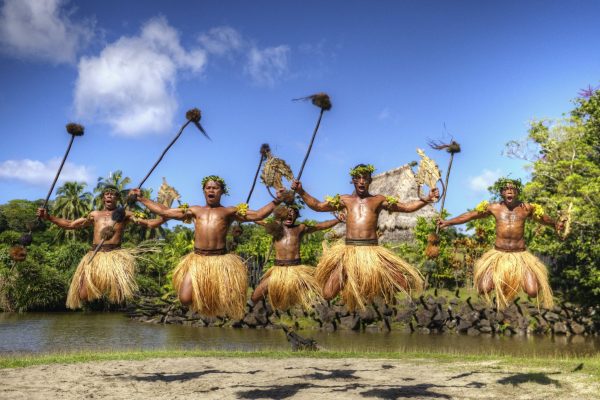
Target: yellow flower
{"type": "Point", "coordinates": [482, 207]}
{"type": "Point", "coordinates": [139, 214]}
{"type": "Point", "coordinates": [391, 200]}
{"type": "Point", "coordinates": [335, 201]}
{"type": "Point", "coordinates": [241, 209]}
{"type": "Point", "coordinates": [187, 217]}
{"type": "Point", "coordinates": [538, 211]}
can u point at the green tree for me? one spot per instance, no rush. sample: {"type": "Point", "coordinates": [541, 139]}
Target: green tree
{"type": "Point", "coordinates": [31, 285]}
{"type": "Point", "coordinates": [19, 215]}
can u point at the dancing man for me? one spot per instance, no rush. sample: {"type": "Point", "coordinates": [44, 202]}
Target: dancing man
{"type": "Point", "coordinates": [111, 271]}
{"type": "Point", "coordinates": [509, 267]}
{"type": "Point", "coordinates": [361, 269]}
{"type": "Point", "coordinates": [289, 282]}
{"type": "Point", "coordinates": [212, 281]}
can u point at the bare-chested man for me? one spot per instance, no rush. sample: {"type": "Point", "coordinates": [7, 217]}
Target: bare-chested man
{"type": "Point", "coordinates": [509, 266]}
{"type": "Point", "coordinates": [111, 271]}
{"type": "Point", "coordinates": [288, 282]}
{"type": "Point", "coordinates": [361, 269]}
{"type": "Point", "coordinates": [213, 282]}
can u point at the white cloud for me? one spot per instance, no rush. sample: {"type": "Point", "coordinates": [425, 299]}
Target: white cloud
{"type": "Point", "coordinates": [131, 84]}
{"type": "Point", "coordinates": [39, 173]}
{"type": "Point", "coordinates": [481, 182]}
{"type": "Point", "coordinates": [40, 30]}
{"type": "Point", "coordinates": [267, 66]}
{"type": "Point", "coordinates": [264, 66]}
{"type": "Point", "coordinates": [222, 40]}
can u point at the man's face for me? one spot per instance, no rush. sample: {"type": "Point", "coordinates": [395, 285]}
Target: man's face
{"type": "Point", "coordinates": [361, 184]}
{"type": "Point", "coordinates": [509, 195]}
{"type": "Point", "coordinates": [110, 199]}
{"type": "Point", "coordinates": [291, 217]}
{"type": "Point", "coordinates": [212, 193]}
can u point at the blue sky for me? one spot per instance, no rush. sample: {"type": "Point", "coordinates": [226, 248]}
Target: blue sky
{"type": "Point", "coordinates": [398, 73]}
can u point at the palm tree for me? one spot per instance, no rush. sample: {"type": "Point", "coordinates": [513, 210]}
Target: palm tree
{"type": "Point", "coordinates": [71, 203]}
{"type": "Point", "coordinates": [114, 178]}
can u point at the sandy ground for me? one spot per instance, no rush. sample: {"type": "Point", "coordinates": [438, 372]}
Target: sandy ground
{"type": "Point", "coordinates": [293, 378]}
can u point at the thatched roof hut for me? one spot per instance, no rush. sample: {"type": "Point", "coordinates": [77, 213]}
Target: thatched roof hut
{"type": "Point", "coordinates": [396, 227]}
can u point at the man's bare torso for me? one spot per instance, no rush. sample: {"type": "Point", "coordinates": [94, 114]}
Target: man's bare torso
{"type": "Point", "coordinates": [288, 247]}
{"type": "Point", "coordinates": [362, 215]}
{"type": "Point", "coordinates": [510, 225]}
{"type": "Point", "coordinates": [211, 225]}
{"type": "Point", "coordinates": [103, 219]}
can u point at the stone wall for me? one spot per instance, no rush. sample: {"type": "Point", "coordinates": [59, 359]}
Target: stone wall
{"type": "Point", "coordinates": [428, 314]}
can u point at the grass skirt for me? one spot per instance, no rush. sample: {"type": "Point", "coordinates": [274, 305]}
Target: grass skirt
{"type": "Point", "coordinates": [110, 273]}
{"type": "Point", "coordinates": [367, 272]}
{"type": "Point", "coordinates": [219, 284]}
{"type": "Point", "coordinates": [508, 272]}
{"type": "Point", "coordinates": [292, 285]}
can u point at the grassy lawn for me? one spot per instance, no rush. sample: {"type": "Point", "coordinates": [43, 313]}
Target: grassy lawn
{"type": "Point", "coordinates": [589, 364]}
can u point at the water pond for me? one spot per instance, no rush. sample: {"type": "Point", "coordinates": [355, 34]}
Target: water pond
{"type": "Point", "coordinates": [65, 332]}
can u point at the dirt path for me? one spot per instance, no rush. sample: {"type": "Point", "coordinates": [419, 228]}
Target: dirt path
{"type": "Point", "coordinates": [297, 378]}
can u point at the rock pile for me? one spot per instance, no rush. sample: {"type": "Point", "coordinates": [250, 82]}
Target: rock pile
{"type": "Point", "coordinates": [428, 314]}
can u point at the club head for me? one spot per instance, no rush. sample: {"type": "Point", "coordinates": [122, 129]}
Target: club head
{"type": "Point", "coordinates": [201, 129]}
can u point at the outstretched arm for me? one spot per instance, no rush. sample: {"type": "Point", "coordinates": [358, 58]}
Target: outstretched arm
{"type": "Point", "coordinates": [148, 223]}
{"type": "Point", "coordinates": [310, 201]}
{"type": "Point", "coordinates": [261, 222]}
{"type": "Point", "coordinates": [463, 218]}
{"type": "Point", "coordinates": [391, 204]}
{"type": "Point", "coordinates": [65, 223]}
{"type": "Point", "coordinates": [538, 215]}
{"type": "Point", "coordinates": [245, 215]}
{"type": "Point", "coordinates": [322, 226]}
{"type": "Point", "coordinates": [161, 210]}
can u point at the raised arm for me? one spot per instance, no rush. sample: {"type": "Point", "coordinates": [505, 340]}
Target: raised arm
{"type": "Point", "coordinates": [244, 215]}
{"type": "Point", "coordinates": [391, 204]}
{"type": "Point", "coordinates": [481, 211]}
{"type": "Point", "coordinates": [159, 209]}
{"type": "Point", "coordinates": [310, 201]}
{"type": "Point", "coordinates": [65, 223]}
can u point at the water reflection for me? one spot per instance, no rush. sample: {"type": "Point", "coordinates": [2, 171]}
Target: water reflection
{"type": "Point", "coordinates": [52, 332]}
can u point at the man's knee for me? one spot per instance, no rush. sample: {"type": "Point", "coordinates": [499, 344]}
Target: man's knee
{"type": "Point", "coordinates": [485, 287]}
{"type": "Point", "coordinates": [486, 284]}
{"type": "Point", "coordinates": [331, 289]}
{"type": "Point", "coordinates": [185, 291]}
{"type": "Point", "coordinates": [531, 286]}
{"type": "Point", "coordinates": [83, 294]}
{"type": "Point", "coordinates": [186, 298]}
{"type": "Point", "coordinates": [329, 293]}
{"type": "Point", "coordinates": [257, 295]}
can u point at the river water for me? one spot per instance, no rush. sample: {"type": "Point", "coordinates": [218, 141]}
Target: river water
{"type": "Point", "coordinates": [67, 332]}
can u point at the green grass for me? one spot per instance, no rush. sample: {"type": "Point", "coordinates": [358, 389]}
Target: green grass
{"type": "Point", "coordinates": [591, 364]}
